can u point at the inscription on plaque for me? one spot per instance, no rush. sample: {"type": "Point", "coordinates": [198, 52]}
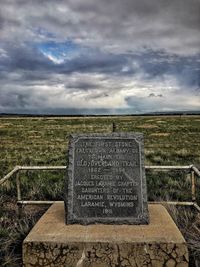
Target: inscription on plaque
{"type": "Point", "coordinates": [106, 179]}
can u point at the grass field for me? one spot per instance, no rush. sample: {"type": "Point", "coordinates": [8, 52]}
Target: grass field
{"type": "Point", "coordinates": [172, 140]}
{"type": "Point", "coordinates": [169, 140]}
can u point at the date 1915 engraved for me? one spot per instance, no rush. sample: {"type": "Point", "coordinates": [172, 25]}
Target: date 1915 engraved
{"type": "Point", "coordinates": [107, 178]}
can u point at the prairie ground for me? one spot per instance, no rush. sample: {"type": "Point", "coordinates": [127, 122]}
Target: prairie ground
{"type": "Point", "coordinates": [168, 140]}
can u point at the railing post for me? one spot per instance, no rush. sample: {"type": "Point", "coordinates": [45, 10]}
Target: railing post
{"type": "Point", "coordinates": [19, 197]}
{"type": "Point", "coordinates": [193, 186]}
{"type": "Point", "coordinates": [114, 127]}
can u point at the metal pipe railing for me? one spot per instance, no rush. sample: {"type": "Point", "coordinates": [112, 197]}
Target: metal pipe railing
{"type": "Point", "coordinates": [187, 167]}
{"type": "Point", "coordinates": [34, 168]}
{"type": "Point", "coordinates": [193, 171]}
{"type": "Point", "coordinates": [18, 168]}
{"type": "Point", "coordinates": [5, 178]}
{"type": "Point", "coordinates": [197, 172]}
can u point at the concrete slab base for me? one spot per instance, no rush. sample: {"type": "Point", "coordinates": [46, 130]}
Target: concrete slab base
{"type": "Point", "coordinates": [52, 243]}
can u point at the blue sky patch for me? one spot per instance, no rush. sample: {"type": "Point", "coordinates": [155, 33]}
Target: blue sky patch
{"type": "Point", "coordinates": [58, 52]}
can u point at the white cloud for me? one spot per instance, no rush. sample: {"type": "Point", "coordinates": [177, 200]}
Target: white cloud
{"type": "Point", "coordinates": [127, 50]}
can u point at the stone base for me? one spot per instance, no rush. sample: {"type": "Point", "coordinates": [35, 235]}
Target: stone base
{"type": "Point", "coordinates": [52, 243]}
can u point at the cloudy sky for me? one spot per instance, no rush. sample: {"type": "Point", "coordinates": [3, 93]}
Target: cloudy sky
{"type": "Point", "coordinates": [99, 57]}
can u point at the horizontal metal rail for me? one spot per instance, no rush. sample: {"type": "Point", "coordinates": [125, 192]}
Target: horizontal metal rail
{"type": "Point", "coordinates": [39, 168]}
{"type": "Point", "coordinates": [193, 170]}
{"type": "Point", "coordinates": [188, 167]}
{"type": "Point", "coordinates": [35, 202]}
{"type": "Point", "coordinates": [35, 168]}
{"type": "Point", "coordinates": [178, 203]}
{"type": "Point", "coordinates": [49, 202]}
{"type": "Point", "coordinates": [29, 168]}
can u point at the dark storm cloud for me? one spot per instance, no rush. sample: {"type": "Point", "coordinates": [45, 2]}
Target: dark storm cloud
{"type": "Point", "coordinates": [119, 54]}
{"type": "Point", "coordinates": [14, 100]}
{"type": "Point", "coordinates": [83, 85]}
{"type": "Point", "coordinates": [154, 95]}
{"type": "Point", "coordinates": [35, 66]}
{"type": "Point", "coordinates": [122, 25]}
{"type": "Point", "coordinates": [185, 69]}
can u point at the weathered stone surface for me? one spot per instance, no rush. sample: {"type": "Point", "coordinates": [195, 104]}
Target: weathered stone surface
{"type": "Point", "coordinates": [53, 243]}
{"type": "Point", "coordinates": [106, 179]}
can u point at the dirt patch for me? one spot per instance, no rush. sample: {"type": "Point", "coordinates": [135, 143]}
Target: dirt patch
{"type": "Point", "coordinates": [5, 125]}
{"type": "Point", "coordinates": [161, 122]}
{"type": "Point", "coordinates": [159, 134]}
{"type": "Point", "coordinates": [147, 126]}
{"type": "Point", "coordinates": [12, 207]}
{"type": "Point", "coordinates": [34, 136]}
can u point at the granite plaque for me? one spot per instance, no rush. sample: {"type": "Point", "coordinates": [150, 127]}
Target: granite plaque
{"type": "Point", "coordinates": [106, 179]}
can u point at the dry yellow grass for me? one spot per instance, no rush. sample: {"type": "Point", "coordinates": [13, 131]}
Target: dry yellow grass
{"type": "Point", "coordinates": [159, 134]}
{"type": "Point", "coordinates": [147, 126]}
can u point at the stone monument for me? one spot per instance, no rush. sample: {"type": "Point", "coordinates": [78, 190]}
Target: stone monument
{"type": "Point", "coordinates": [106, 179]}
{"type": "Point", "coordinates": [106, 221]}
